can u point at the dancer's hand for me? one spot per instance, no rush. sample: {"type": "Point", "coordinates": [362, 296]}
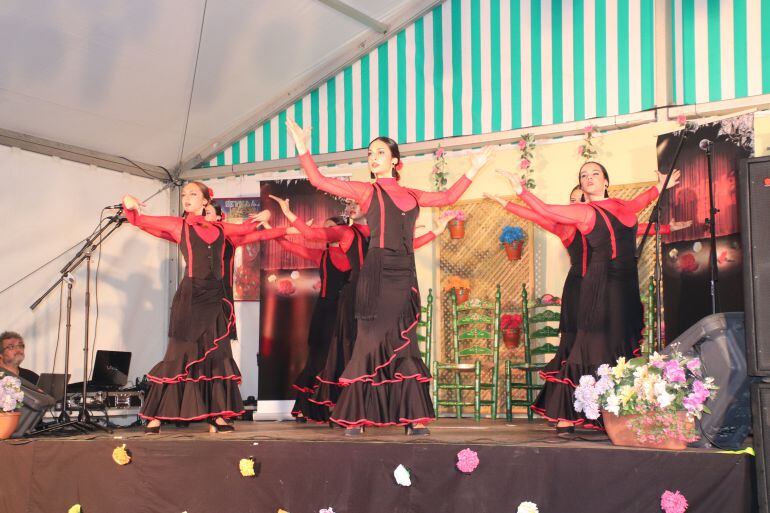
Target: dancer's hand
{"type": "Point", "coordinates": [479, 160]}
{"type": "Point", "coordinates": [495, 197]}
{"type": "Point", "coordinates": [515, 181]}
{"type": "Point", "coordinates": [299, 135]}
{"type": "Point", "coordinates": [131, 203]}
{"type": "Point", "coordinates": [679, 225]}
{"type": "Point", "coordinates": [284, 204]}
{"type": "Point", "coordinates": [675, 175]}
{"type": "Point", "coordinates": [443, 220]}
{"type": "Point", "coordinates": [260, 217]}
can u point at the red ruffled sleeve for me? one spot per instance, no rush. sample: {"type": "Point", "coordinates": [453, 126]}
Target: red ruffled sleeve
{"type": "Point", "coordinates": [443, 198]}
{"type": "Point", "coordinates": [358, 191]}
{"type": "Point", "coordinates": [165, 227]}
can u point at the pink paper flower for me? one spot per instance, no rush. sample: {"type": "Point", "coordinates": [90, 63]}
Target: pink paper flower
{"type": "Point", "coordinates": [673, 372]}
{"type": "Point", "coordinates": [522, 144]}
{"type": "Point", "coordinates": [524, 164]}
{"type": "Point", "coordinates": [588, 129]}
{"type": "Point", "coordinates": [681, 119]}
{"type": "Point", "coordinates": [581, 149]}
{"type": "Point", "coordinates": [439, 152]}
{"type": "Point", "coordinates": [286, 287]}
{"type": "Point", "coordinates": [467, 461]}
{"type": "Point", "coordinates": [673, 502]}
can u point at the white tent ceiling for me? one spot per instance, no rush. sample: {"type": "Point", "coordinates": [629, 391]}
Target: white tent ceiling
{"type": "Point", "coordinates": [120, 76]}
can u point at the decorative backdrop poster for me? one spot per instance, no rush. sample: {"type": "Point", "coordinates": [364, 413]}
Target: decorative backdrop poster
{"type": "Point", "coordinates": [685, 253]}
{"type": "Point", "coordinates": [247, 257]}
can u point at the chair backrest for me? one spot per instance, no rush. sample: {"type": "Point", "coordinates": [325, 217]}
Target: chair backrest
{"type": "Point", "coordinates": [476, 328]}
{"type": "Point", "coordinates": [425, 330]}
{"type": "Point", "coordinates": [534, 313]}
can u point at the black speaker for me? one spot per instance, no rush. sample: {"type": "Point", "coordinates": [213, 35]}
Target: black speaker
{"type": "Point", "coordinates": [760, 401]}
{"type": "Point", "coordinates": [719, 341]}
{"type": "Point", "coordinates": [755, 238]}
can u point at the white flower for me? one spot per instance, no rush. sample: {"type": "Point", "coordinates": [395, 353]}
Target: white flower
{"type": "Point", "coordinates": [604, 384]}
{"type": "Point", "coordinates": [402, 476]}
{"type": "Point", "coordinates": [662, 396]}
{"type": "Point", "coordinates": [613, 404]}
{"type": "Point", "coordinates": [527, 507]}
{"type": "Point", "coordinates": [294, 275]}
{"type": "Point", "coordinates": [587, 380]}
{"type": "Point", "coordinates": [604, 370]}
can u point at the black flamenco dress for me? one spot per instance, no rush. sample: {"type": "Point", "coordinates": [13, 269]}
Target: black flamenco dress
{"type": "Point", "coordinates": [198, 377]}
{"type": "Point", "coordinates": [334, 271]}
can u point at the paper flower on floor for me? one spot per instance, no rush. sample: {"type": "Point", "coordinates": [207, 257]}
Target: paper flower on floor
{"type": "Point", "coordinates": [282, 510]}
{"type": "Point", "coordinates": [326, 510]}
{"type": "Point", "coordinates": [286, 287]}
{"type": "Point", "coordinates": [294, 275]}
{"type": "Point", "coordinates": [527, 507]}
{"type": "Point", "coordinates": [246, 466]}
{"type": "Point", "coordinates": [121, 456]}
{"type": "Point", "coordinates": [467, 461]}
{"type": "Point", "coordinates": [402, 476]}
{"type": "Point", "coordinates": [673, 502]}
{"type": "Point", "coordinates": [75, 509]}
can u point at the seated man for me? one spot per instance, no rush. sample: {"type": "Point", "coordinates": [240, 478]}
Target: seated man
{"type": "Point", "coordinates": [12, 347]}
{"type": "Point", "coordinates": [35, 400]}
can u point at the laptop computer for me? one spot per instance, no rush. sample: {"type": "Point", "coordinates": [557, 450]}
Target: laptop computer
{"type": "Point", "coordinates": [110, 370]}
{"type": "Point", "coordinates": [53, 384]}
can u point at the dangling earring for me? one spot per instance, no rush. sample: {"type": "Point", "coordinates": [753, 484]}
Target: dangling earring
{"type": "Point", "coordinates": [582, 198]}
{"type": "Point", "coordinates": [606, 192]}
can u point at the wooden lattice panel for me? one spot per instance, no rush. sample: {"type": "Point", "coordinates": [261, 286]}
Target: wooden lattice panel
{"type": "Point", "coordinates": [480, 258]}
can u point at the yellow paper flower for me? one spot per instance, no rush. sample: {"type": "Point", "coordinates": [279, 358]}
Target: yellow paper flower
{"type": "Point", "coordinates": [626, 394]}
{"type": "Point", "coordinates": [620, 368]}
{"type": "Point", "coordinates": [120, 455]}
{"type": "Point", "coordinates": [246, 466]}
{"type": "Point", "coordinates": [282, 510]}
{"type": "Point", "coordinates": [75, 509]}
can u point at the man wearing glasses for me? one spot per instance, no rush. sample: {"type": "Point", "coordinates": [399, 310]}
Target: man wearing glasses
{"type": "Point", "coordinates": [12, 355]}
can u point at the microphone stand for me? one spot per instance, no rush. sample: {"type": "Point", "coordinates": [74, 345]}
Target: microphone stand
{"type": "Point", "coordinates": [711, 222]}
{"type": "Point", "coordinates": [654, 219]}
{"type": "Point", "coordinates": [83, 423]}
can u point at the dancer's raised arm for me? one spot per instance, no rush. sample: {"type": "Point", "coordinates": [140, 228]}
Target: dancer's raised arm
{"type": "Point", "coordinates": [451, 195]}
{"type": "Point", "coordinates": [359, 191]}
{"type": "Point", "coordinates": [645, 198]}
{"type": "Point", "coordinates": [560, 230]}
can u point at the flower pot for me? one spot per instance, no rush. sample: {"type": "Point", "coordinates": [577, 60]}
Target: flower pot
{"type": "Point", "coordinates": [621, 432]}
{"type": "Point", "coordinates": [511, 337]}
{"type": "Point", "coordinates": [462, 295]}
{"type": "Point", "coordinates": [456, 229]}
{"type": "Point", "coordinates": [513, 249]}
{"type": "Point", "coordinates": [8, 423]}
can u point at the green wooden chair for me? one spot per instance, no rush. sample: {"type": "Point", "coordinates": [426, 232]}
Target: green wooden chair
{"type": "Point", "coordinates": [475, 344]}
{"type": "Point", "coordinates": [425, 330]}
{"type": "Point", "coordinates": [535, 344]}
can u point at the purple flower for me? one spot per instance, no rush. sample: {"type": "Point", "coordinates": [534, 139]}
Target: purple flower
{"type": "Point", "coordinates": [673, 502]}
{"type": "Point", "coordinates": [694, 364]}
{"type": "Point", "coordinates": [673, 372]}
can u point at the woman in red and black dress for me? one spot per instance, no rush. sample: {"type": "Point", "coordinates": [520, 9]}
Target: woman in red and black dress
{"type": "Point", "coordinates": [386, 380]}
{"type": "Point", "coordinates": [198, 378]}
{"type": "Point", "coordinates": [353, 240]}
{"type": "Point", "coordinates": [610, 315]}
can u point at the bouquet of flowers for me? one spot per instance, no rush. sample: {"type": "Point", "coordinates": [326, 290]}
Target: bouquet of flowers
{"type": "Point", "coordinates": [11, 396]}
{"type": "Point", "coordinates": [652, 389]}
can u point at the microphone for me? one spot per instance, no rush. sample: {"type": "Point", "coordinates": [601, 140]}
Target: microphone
{"type": "Point", "coordinates": [705, 144]}
{"type": "Point", "coordinates": [119, 206]}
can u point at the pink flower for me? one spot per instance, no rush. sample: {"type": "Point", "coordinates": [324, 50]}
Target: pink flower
{"type": "Point", "coordinates": [467, 461]}
{"type": "Point", "coordinates": [681, 119]}
{"type": "Point", "coordinates": [522, 144]}
{"type": "Point", "coordinates": [673, 502]}
{"type": "Point", "coordinates": [693, 364]}
{"type": "Point", "coordinates": [524, 164]}
{"type": "Point", "coordinates": [439, 152]}
{"type": "Point", "coordinates": [286, 287]}
{"type": "Point", "coordinates": [673, 372]}
{"type": "Point", "coordinates": [588, 129]}
{"type": "Point", "coordinates": [581, 149]}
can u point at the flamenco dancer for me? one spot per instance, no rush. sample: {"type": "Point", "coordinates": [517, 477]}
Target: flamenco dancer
{"type": "Point", "coordinates": [334, 269]}
{"type": "Point", "coordinates": [198, 378]}
{"type": "Point", "coordinates": [386, 381]}
{"type": "Point", "coordinates": [555, 398]}
{"type": "Point", "coordinates": [353, 241]}
{"type": "Point", "coordinates": [609, 312]}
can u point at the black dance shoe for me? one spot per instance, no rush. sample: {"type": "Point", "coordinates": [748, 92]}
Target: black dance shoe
{"type": "Point", "coordinates": [354, 431]}
{"type": "Point", "coordinates": [410, 430]}
{"type": "Point", "coordinates": [560, 430]}
{"type": "Point", "coordinates": [300, 420]}
{"type": "Point", "coordinates": [152, 430]}
{"type": "Point", "coordinates": [220, 428]}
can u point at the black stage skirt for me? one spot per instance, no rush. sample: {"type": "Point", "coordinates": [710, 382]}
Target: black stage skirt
{"type": "Point", "coordinates": [386, 381]}
{"type": "Point", "coordinates": [609, 325]}
{"type": "Point", "coordinates": [198, 377]}
{"type": "Point", "coordinates": [319, 338]}
{"type": "Point", "coordinates": [328, 387]}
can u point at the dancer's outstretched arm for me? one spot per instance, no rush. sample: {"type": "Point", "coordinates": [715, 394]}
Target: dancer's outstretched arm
{"type": "Point", "coordinates": [642, 200]}
{"type": "Point", "coordinates": [256, 236]}
{"type": "Point", "coordinates": [341, 234]}
{"type": "Point", "coordinates": [451, 195]}
{"type": "Point", "coordinates": [558, 229]}
{"type": "Point", "coordinates": [164, 227]}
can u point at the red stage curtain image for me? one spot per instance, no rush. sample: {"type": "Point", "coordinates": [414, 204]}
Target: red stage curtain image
{"type": "Point", "coordinates": [686, 277]}
{"type": "Point", "coordinates": [289, 289]}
